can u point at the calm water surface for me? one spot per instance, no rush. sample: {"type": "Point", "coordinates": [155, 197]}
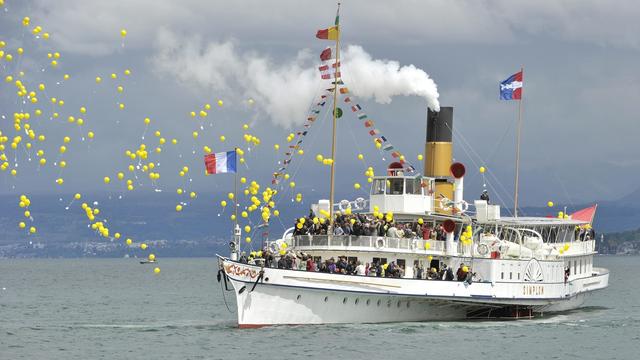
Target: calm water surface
{"type": "Point", "coordinates": [117, 309]}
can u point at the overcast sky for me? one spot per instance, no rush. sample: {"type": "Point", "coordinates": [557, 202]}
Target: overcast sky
{"type": "Point", "coordinates": [581, 89]}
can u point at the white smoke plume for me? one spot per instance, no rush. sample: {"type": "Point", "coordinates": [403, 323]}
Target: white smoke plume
{"type": "Point", "coordinates": [283, 90]}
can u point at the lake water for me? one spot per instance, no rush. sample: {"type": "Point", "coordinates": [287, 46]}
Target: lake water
{"type": "Point", "coordinates": [118, 309]}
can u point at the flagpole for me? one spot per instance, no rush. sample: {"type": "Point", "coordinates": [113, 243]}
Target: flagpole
{"type": "Point", "coordinates": [333, 142]}
{"type": "Point", "coordinates": [235, 205]}
{"type": "Point", "coordinates": [235, 195]}
{"type": "Point", "coordinates": [515, 196]}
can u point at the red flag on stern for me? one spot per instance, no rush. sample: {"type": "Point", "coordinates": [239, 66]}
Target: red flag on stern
{"type": "Point", "coordinates": [586, 214]}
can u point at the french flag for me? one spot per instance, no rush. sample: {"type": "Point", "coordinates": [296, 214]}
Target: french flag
{"type": "Point", "coordinates": [511, 89]}
{"type": "Point", "coordinates": [220, 163]}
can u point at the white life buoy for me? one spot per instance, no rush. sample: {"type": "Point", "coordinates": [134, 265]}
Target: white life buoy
{"type": "Point", "coordinates": [482, 249]}
{"type": "Point", "coordinates": [463, 206]}
{"type": "Point", "coordinates": [379, 243]}
{"type": "Point", "coordinates": [343, 205]}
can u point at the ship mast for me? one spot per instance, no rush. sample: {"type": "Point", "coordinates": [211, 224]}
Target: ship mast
{"type": "Point", "coordinates": [515, 195]}
{"type": "Point", "coordinates": [335, 118]}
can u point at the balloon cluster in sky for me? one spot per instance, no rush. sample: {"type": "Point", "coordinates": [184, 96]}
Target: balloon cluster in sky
{"type": "Point", "coordinates": [26, 148]}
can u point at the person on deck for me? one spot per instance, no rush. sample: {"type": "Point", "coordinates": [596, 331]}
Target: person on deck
{"type": "Point", "coordinates": [448, 274]}
{"type": "Point", "coordinates": [361, 269]}
{"type": "Point", "coordinates": [484, 196]}
{"type": "Point", "coordinates": [461, 274]}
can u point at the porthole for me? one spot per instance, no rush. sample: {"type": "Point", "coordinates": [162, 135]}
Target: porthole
{"type": "Point", "coordinates": [408, 302]}
{"type": "Point", "coordinates": [388, 303]}
{"type": "Point", "coordinates": [356, 301]}
{"type": "Point", "coordinates": [378, 302]}
{"type": "Point", "coordinates": [398, 304]}
{"type": "Point", "coordinates": [368, 302]}
{"type": "Point", "coordinates": [326, 298]}
{"type": "Point", "coordinates": [298, 298]}
{"type": "Point", "coordinates": [266, 279]}
{"type": "Point", "coordinates": [344, 301]}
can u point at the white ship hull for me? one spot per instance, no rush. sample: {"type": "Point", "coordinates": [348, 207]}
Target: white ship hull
{"type": "Point", "coordinates": [297, 297]}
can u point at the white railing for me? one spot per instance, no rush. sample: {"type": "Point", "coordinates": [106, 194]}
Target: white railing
{"type": "Point", "coordinates": [577, 247]}
{"type": "Point", "coordinates": [349, 242]}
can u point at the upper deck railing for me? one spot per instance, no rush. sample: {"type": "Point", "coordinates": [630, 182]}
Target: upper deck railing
{"type": "Point", "coordinates": [366, 243]}
{"type": "Point", "coordinates": [407, 245]}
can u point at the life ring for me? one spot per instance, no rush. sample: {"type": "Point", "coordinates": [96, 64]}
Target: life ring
{"type": "Point", "coordinates": [464, 206]}
{"type": "Point", "coordinates": [482, 249]}
{"type": "Point", "coordinates": [445, 204]}
{"type": "Point", "coordinates": [359, 203]}
{"type": "Point", "coordinates": [343, 205]}
{"type": "Point", "coordinates": [274, 247]}
{"type": "Point", "coordinates": [379, 243]}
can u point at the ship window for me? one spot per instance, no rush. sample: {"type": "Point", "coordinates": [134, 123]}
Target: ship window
{"type": "Point", "coordinates": [326, 298]}
{"type": "Point", "coordinates": [344, 301]}
{"type": "Point", "coordinates": [398, 304]}
{"type": "Point", "coordinates": [298, 297]}
{"type": "Point", "coordinates": [414, 186]}
{"type": "Point", "coordinates": [510, 275]}
{"type": "Point", "coordinates": [368, 302]}
{"type": "Point", "coordinates": [518, 276]}
{"type": "Point", "coordinates": [357, 301]}
{"type": "Point", "coordinates": [401, 264]}
{"type": "Point", "coordinates": [378, 187]}
{"type": "Point", "coordinates": [380, 261]}
{"type": "Point", "coordinates": [395, 186]}
{"type": "Point", "coordinates": [378, 302]}
{"type": "Point", "coordinates": [502, 275]}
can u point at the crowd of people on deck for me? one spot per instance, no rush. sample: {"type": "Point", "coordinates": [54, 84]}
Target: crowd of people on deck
{"type": "Point", "coordinates": [345, 266]}
{"type": "Point", "coordinates": [368, 225]}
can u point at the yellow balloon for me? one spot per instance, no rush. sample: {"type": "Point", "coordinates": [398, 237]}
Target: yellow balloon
{"type": "Point", "coordinates": [178, 208]}
{"type": "Point", "coordinates": [143, 246]}
{"type": "Point", "coordinates": [465, 268]}
{"type": "Point", "coordinates": [247, 239]}
{"type": "Point", "coordinates": [427, 246]}
{"type": "Point", "coordinates": [420, 157]}
{"type": "Point", "coordinates": [220, 103]}
{"type": "Point", "coordinates": [151, 257]}
{"type": "Point", "coordinates": [22, 225]}
{"type": "Point", "coordinates": [156, 270]}
{"type": "Point", "coordinates": [223, 203]}
{"type": "Point", "coordinates": [231, 196]}
{"type": "Point", "coordinates": [123, 32]}
{"type": "Point", "coordinates": [482, 169]}
{"type": "Point", "coordinates": [550, 204]}
{"type": "Point", "coordinates": [106, 180]}
{"type": "Point", "coordinates": [222, 138]}
{"type": "Point", "coordinates": [247, 229]}
{"type": "Point", "coordinates": [356, 186]}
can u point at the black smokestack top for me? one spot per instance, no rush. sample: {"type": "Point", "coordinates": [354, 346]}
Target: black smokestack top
{"type": "Point", "coordinates": [440, 125]}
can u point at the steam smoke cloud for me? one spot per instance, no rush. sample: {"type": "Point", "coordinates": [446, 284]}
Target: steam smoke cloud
{"type": "Point", "coordinates": [284, 89]}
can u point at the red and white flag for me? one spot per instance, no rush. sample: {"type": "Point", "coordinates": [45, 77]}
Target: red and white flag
{"type": "Point", "coordinates": [586, 214]}
{"type": "Point", "coordinates": [330, 71]}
